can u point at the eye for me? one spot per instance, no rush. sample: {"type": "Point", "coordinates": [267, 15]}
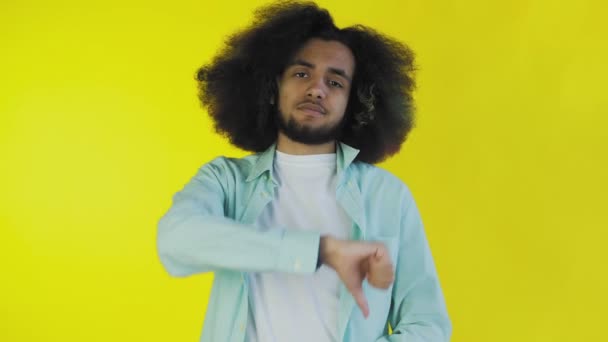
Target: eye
{"type": "Point", "coordinates": [300, 74]}
{"type": "Point", "coordinates": [335, 84]}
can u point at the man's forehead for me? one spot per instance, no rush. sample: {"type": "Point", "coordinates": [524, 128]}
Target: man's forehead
{"type": "Point", "coordinates": [325, 53]}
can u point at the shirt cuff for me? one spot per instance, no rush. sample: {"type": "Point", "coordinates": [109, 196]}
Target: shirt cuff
{"type": "Point", "coordinates": [299, 252]}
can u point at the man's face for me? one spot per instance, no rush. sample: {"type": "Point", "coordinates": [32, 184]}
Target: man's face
{"type": "Point", "coordinates": [313, 92]}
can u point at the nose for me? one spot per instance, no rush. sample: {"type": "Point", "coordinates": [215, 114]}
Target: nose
{"type": "Point", "coordinates": [316, 89]}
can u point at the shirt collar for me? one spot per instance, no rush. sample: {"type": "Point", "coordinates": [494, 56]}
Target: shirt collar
{"type": "Point", "coordinates": [345, 155]}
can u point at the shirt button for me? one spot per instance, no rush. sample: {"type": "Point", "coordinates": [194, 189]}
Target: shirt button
{"type": "Point", "coordinates": [297, 265]}
{"type": "Point", "coordinates": [242, 327]}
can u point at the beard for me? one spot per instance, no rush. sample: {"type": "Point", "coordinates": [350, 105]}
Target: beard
{"type": "Point", "coordinates": [308, 135]}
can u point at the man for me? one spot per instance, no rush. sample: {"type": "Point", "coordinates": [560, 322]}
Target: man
{"type": "Point", "coordinates": [308, 240]}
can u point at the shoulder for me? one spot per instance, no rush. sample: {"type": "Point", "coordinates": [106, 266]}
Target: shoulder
{"type": "Point", "coordinates": [372, 180]}
{"type": "Point", "coordinates": [229, 163]}
{"type": "Point", "coordinates": [369, 174]}
{"type": "Point", "coordinates": [230, 167]}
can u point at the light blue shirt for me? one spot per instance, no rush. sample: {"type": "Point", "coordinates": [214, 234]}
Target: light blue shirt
{"type": "Point", "coordinates": [209, 228]}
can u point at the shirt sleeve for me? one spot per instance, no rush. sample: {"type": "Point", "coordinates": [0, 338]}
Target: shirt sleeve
{"type": "Point", "coordinates": [418, 312]}
{"type": "Point", "coordinates": [195, 236]}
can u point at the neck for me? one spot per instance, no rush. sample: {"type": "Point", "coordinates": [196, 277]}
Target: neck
{"type": "Point", "coordinates": [286, 145]}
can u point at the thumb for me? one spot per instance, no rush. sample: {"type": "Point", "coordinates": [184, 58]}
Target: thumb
{"type": "Point", "coordinates": [379, 254]}
{"type": "Point", "coordinates": [361, 300]}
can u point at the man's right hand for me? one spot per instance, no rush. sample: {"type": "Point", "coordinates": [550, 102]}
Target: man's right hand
{"type": "Point", "coordinates": [353, 261]}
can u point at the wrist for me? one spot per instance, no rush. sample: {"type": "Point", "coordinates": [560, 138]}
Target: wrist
{"type": "Point", "coordinates": [319, 256]}
{"type": "Point", "coordinates": [326, 248]}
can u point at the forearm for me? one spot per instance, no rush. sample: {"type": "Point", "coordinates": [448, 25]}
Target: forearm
{"type": "Point", "coordinates": [198, 235]}
{"type": "Point", "coordinates": [194, 243]}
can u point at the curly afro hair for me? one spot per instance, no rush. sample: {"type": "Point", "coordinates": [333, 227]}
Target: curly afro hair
{"type": "Point", "coordinates": [236, 87]}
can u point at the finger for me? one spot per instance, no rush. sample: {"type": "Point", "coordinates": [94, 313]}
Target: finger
{"type": "Point", "coordinates": [379, 253]}
{"type": "Point", "coordinates": [381, 276]}
{"type": "Point", "coordinates": [382, 284]}
{"type": "Point", "coordinates": [364, 265]}
{"type": "Point", "coordinates": [361, 301]}
{"type": "Point", "coordinates": [390, 275]}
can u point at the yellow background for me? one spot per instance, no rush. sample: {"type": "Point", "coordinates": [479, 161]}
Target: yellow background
{"type": "Point", "coordinates": [100, 125]}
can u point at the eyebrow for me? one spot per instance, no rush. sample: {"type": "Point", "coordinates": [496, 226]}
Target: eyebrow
{"type": "Point", "coordinates": [336, 71]}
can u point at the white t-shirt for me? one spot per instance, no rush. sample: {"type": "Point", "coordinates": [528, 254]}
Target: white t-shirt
{"type": "Point", "coordinates": [290, 307]}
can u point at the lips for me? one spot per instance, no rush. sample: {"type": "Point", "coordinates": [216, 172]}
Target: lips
{"type": "Point", "coordinates": [312, 107]}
